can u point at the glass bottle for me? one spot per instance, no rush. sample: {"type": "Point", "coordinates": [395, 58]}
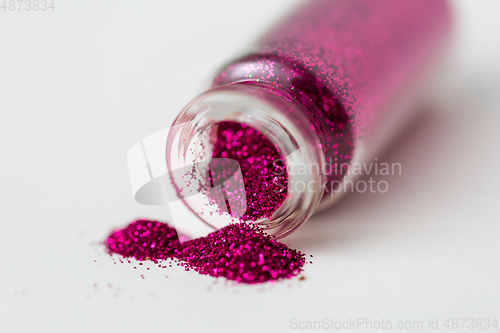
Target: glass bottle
{"type": "Point", "coordinates": [329, 86]}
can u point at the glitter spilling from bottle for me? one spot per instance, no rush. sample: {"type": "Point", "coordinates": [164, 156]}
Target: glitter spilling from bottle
{"type": "Point", "coordinates": [265, 179]}
{"type": "Point", "coordinates": [241, 252]}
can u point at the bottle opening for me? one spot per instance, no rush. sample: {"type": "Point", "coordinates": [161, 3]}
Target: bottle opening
{"type": "Point", "coordinates": [235, 144]}
{"type": "Point", "coordinates": [263, 185]}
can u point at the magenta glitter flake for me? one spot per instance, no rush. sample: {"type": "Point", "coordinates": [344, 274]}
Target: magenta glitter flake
{"type": "Point", "coordinates": [264, 180]}
{"type": "Point", "coordinates": [240, 252]}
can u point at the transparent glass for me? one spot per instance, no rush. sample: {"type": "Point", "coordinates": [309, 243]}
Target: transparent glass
{"type": "Point", "coordinates": [330, 85]}
{"type": "Point", "coordinates": [280, 118]}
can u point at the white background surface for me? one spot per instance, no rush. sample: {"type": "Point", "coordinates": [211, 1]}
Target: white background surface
{"type": "Point", "coordinates": [80, 85]}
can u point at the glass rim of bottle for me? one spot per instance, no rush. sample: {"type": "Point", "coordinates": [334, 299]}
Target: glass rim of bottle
{"type": "Point", "coordinates": [276, 115]}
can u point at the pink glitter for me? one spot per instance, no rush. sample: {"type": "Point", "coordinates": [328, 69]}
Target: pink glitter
{"type": "Point", "coordinates": [348, 64]}
{"type": "Point", "coordinates": [242, 252]}
{"type": "Point", "coordinates": [239, 252]}
{"type": "Point", "coordinates": [265, 185]}
{"type": "Point", "coordinates": [143, 240]}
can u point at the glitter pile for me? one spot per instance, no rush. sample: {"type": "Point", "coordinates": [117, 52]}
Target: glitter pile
{"type": "Point", "coordinates": [144, 240]}
{"type": "Point", "coordinates": [239, 252]}
{"type": "Point", "coordinates": [261, 164]}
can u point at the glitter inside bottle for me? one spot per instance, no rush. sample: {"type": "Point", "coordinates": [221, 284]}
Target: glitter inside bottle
{"type": "Point", "coordinates": [272, 140]}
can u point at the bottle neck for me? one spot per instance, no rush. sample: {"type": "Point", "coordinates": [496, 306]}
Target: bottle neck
{"type": "Point", "coordinates": [281, 119]}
